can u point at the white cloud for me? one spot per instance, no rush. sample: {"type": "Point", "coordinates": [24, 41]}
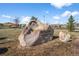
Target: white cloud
{"type": "Point", "coordinates": [67, 13]}
{"type": "Point", "coordinates": [60, 5]}
{"type": "Point", "coordinates": [25, 20]}
{"type": "Point", "coordinates": [56, 17]}
{"type": "Point", "coordinates": [56, 22]}
{"type": "Point", "coordinates": [6, 16]}
{"type": "Point", "coordinates": [75, 13]}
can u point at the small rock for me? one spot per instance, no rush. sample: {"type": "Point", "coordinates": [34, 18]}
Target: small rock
{"type": "Point", "coordinates": [64, 37]}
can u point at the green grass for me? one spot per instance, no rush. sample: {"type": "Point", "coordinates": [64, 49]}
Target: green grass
{"type": "Point", "coordinates": [8, 39]}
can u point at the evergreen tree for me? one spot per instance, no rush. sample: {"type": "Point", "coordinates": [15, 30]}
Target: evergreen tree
{"type": "Point", "coordinates": [33, 18]}
{"type": "Point", "coordinates": [70, 24]}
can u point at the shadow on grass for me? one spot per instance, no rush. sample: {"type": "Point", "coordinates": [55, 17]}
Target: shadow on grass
{"type": "Point", "coordinates": [3, 50]}
{"type": "Point", "coordinates": [55, 37]}
{"type": "Point", "coordinates": [2, 38]}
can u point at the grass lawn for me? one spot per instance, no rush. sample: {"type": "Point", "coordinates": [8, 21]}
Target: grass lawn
{"type": "Point", "coordinates": [9, 43]}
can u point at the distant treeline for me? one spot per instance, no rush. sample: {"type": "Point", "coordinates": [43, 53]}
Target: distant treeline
{"type": "Point", "coordinates": [10, 25]}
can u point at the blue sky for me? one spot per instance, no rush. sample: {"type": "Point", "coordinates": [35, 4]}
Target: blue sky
{"type": "Point", "coordinates": [55, 13]}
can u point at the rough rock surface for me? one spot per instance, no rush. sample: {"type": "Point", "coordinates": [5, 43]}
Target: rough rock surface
{"type": "Point", "coordinates": [64, 37]}
{"type": "Point", "coordinates": [35, 33]}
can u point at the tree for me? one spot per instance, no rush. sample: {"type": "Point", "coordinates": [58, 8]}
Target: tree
{"type": "Point", "coordinates": [33, 18]}
{"type": "Point", "coordinates": [1, 25]}
{"type": "Point", "coordinates": [16, 20]}
{"type": "Point", "coordinates": [70, 24]}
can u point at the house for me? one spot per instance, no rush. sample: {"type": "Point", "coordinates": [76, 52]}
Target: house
{"type": "Point", "coordinates": [59, 26]}
{"type": "Point", "coordinates": [11, 25]}
{"type": "Point", "coordinates": [76, 26]}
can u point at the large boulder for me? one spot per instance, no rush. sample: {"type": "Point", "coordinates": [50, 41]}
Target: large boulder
{"type": "Point", "coordinates": [35, 33]}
